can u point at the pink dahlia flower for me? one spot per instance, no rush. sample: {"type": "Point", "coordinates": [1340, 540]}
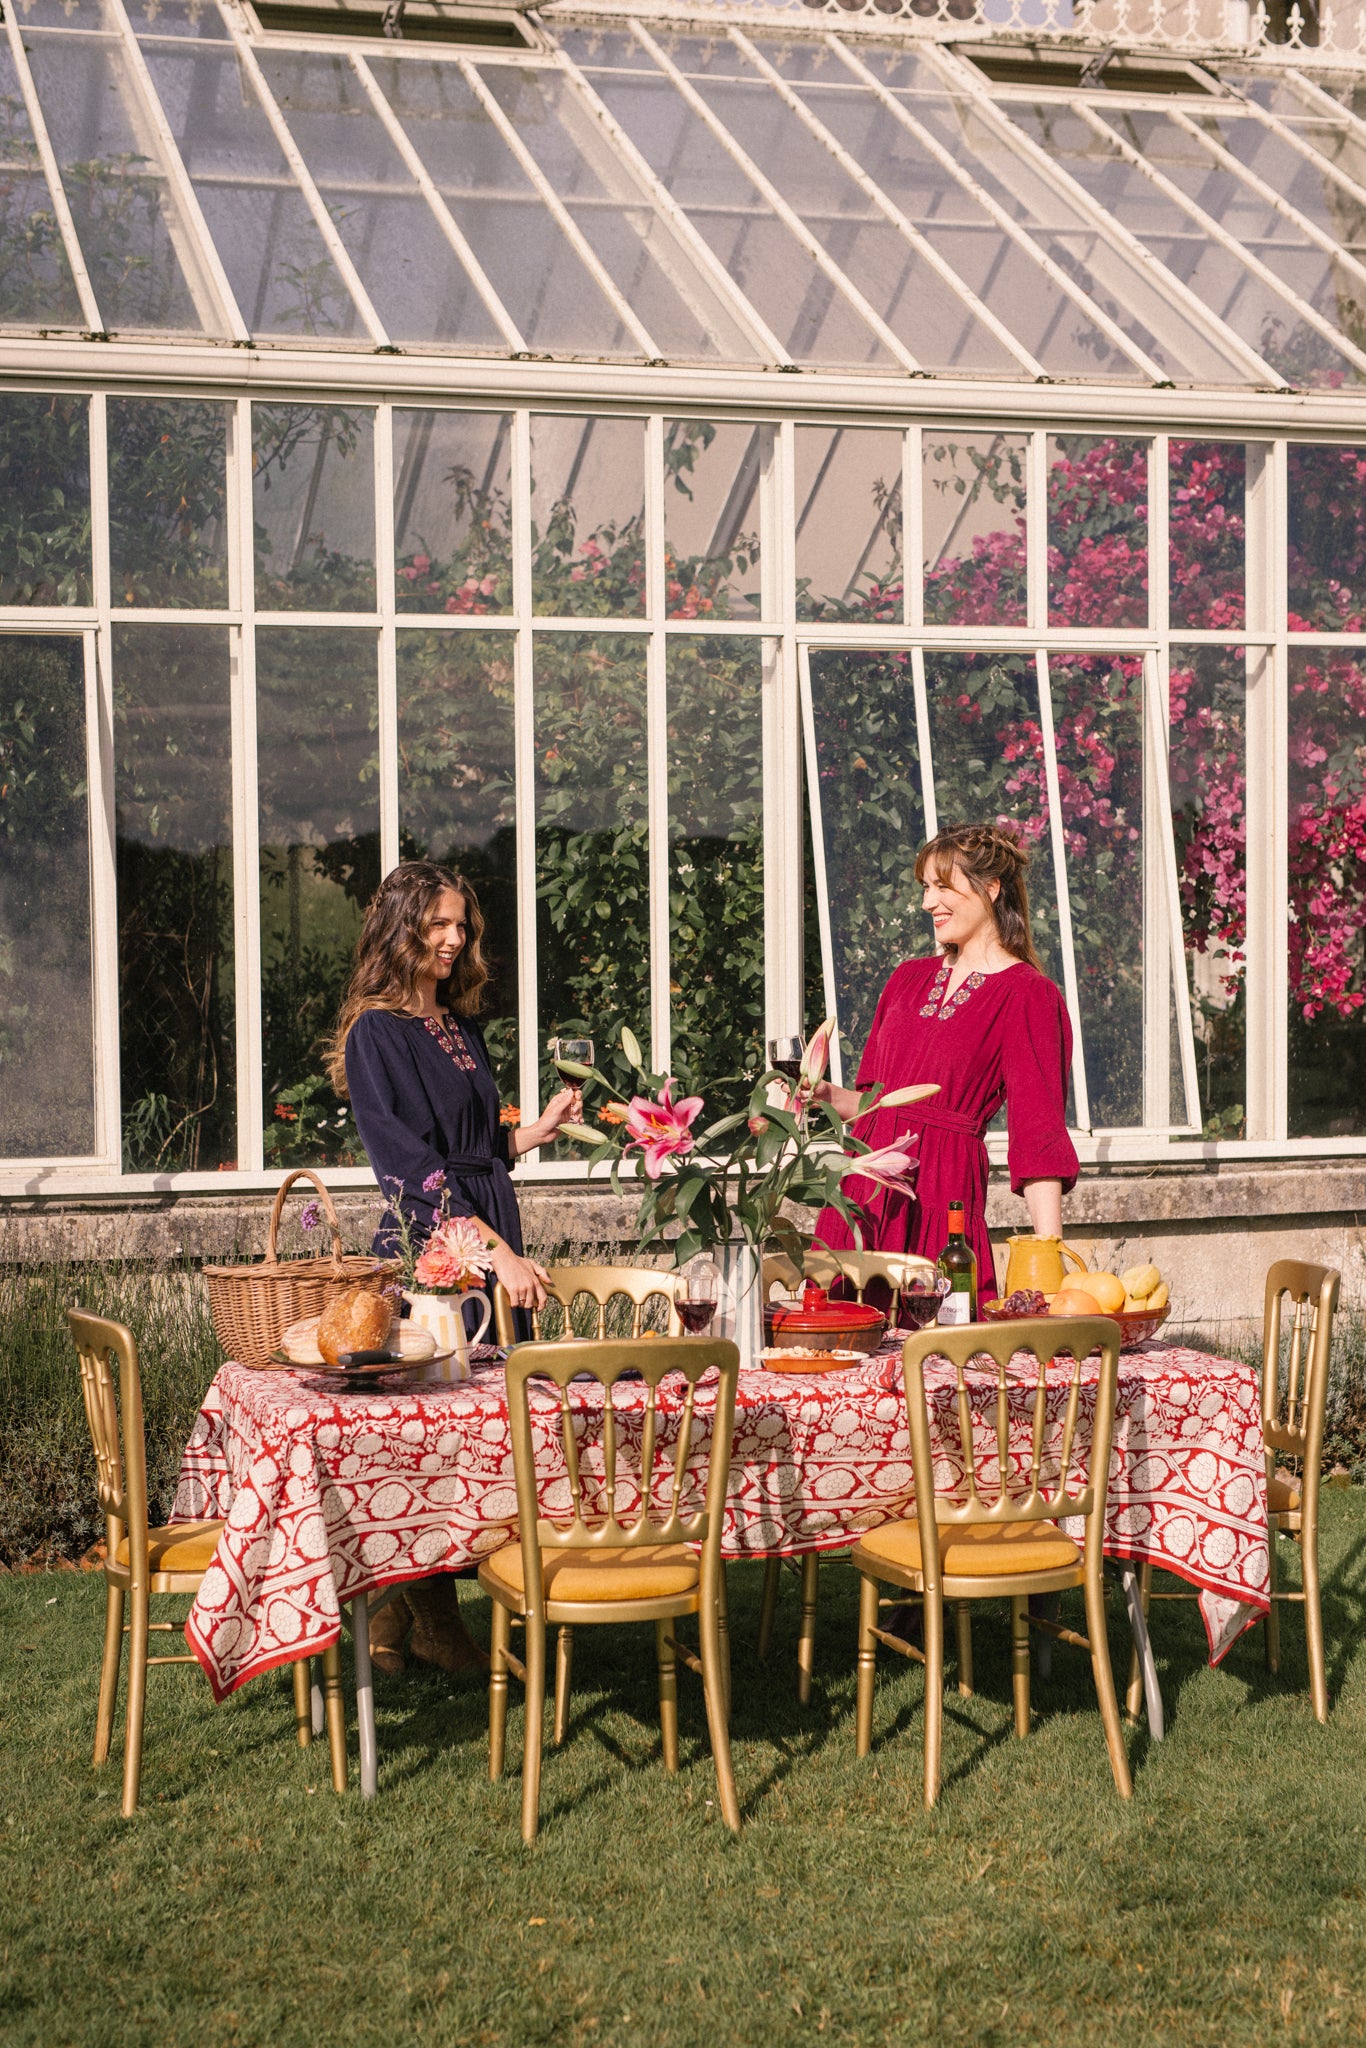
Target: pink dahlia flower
{"type": "Point", "coordinates": [455, 1256]}
{"type": "Point", "coordinates": [663, 1129]}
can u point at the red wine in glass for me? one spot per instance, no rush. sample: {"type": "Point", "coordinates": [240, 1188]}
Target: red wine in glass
{"type": "Point", "coordinates": [696, 1316]}
{"type": "Point", "coordinates": [697, 1301]}
{"type": "Point", "coordinates": [785, 1056]}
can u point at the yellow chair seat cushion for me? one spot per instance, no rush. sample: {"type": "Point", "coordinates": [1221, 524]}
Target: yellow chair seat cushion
{"type": "Point", "coordinates": [1282, 1494]}
{"type": "Point", "coordinates": [977, 1550]}
{"type": "Point", "coordinates": [652, 1571]}
{"type": "Point", "coordinates": [188, 1547]}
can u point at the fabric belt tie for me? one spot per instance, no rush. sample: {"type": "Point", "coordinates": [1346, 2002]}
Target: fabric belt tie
{"type": "Point", "coordinates": [937, 1119]}
{"type": "Point", "coordinates": [469, 1162]}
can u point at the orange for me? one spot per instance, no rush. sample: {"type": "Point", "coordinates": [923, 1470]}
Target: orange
{"type": "Point", "coordinates": [1105, 1290]}
{"type": "Point", "coordinates": [1073, 1301]}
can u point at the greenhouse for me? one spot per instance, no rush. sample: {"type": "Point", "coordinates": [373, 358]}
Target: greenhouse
{"type": "Point", "coordinates": [664, 462]}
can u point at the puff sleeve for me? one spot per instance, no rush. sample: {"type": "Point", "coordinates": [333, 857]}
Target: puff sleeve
{"type": "Point", "coordinates": [1036, 1055]}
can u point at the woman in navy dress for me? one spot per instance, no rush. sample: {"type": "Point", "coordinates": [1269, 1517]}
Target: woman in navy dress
{"type": "Point", "coordinates": [413, 1061]}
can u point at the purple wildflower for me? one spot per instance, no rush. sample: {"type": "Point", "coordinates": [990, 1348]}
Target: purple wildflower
{"type": "Point", "coordinates": [434, 1183]}
{"type": "Point", "coordinates": [310, 1216]}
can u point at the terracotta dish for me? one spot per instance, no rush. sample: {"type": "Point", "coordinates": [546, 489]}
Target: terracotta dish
{"type": "Point", "coordinates": [820, 1324]}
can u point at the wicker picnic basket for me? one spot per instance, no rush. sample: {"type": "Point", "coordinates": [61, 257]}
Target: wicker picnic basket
{"type": "Point", "coordinates": [252, 1306]}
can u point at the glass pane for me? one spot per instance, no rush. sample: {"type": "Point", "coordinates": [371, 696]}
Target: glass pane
{"type": "Point", "coordinates": [1207, 763]}
{"type": "Point", "coordinates": [976, 555]}
{"type": "Point", "coordinates": [1097, 531]}
{"type": "Point", "coordinates": [872, 823]}
{"type": "Point", "coordinates": [716, 862]}
{"type": "Point", "coordinates": [277, 262]}
{"type": "Point", "coordinates": [1327, 968]}
{"type": "Point", "coordinates": [173, 799]}
{"type": "Point", "coordinates": [313, 495]}
{"type": "Point", "coordinates": [587, 516]}
{"type": "Point", "coordinates": [44, 499]}
{"type": "Point", "coordinates": [47, 1053]}
{"type": "Point", "coordinates": [548, 291]}
{"type": "Point", "coordinates": [318, 768]}
{"type": "Point", "coordinates": [849, 523]}
{"type": "Point", "coordinates": [646, 259]}
{"type": "Point", "coordinates": [1207, 531]}
{"type": "Point", "coordinates": [125, 216]}
{"type": "Point", "coordinates": [36, 288]}
{"type": "Point", "coordinates": [456, 797]}
{"type": "Point", "coordinates": [168, 535]}
{"type": "Point", "coordinates": [452, 511]}
{"type": "Point", "coordinates": [711, 519]}
{"type": "Point", "coordinates": [1327, 568]}
{"type": "Point", "coordinates": [592, 846]}
{"type": "Point", "coordinates": [1098, 724]}
{"type": "Point", "coordinates": [415, 280]}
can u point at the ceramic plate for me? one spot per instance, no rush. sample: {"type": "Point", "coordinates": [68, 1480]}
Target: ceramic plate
{"type": "Point", "coordinates": [355, 1375]}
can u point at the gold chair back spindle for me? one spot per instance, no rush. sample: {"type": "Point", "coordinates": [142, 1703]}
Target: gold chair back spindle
{"type": "Point", "coordinates": [568, 1285]}
{"type": "Point", "coordinates": [861, 1269]}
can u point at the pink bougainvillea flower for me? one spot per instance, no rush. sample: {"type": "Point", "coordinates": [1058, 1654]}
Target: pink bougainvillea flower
{"type": "Point", "coordinates": [891, 1166]}
{"type": "Point", "coordinates": [662, 1130]}
{"type": "Point", "coordinates": [454, 1257]}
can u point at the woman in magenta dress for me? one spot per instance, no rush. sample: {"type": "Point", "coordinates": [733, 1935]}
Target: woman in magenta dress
{"type": "Point", "coordinates": [982, 1019]}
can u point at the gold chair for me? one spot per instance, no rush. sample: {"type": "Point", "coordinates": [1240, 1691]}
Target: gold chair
{"type": "Point", "coordinates": [1294, 1402]}
{"type": "Point", "coordinates": [569, 1284]}
{"type": "Point", "coordinates": [822, 1265]}
{"type": "Point", "coordinates": [600, 1567]}
{"type": "Point", "coordinates": [961, 1547]}
{"type": "Point", "coordinates": [140, 1560]}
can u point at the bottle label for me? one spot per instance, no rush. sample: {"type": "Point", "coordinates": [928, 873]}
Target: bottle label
{"type": "Point", "coordinates": [956, 1307]}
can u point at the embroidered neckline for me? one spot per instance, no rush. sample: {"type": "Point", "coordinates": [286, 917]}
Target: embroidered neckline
{"type": "Point", "coordinates": [451, 1041]}
{"type": "Point", "coordinates": [936, 1005]}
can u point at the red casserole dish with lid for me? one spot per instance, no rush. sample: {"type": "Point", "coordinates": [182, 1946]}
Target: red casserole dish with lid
{"type": "Point", "coordinates": [821, 1324]}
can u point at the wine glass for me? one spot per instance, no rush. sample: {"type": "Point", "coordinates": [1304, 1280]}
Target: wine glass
{"type": "Point", "coordinates": [580, 1050]}
{"type": "Point", "coordinates": [785, 1055]}
{"type": "Point", "coordinates": [697, 1306]}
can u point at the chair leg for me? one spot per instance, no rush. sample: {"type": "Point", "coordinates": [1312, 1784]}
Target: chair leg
{"type": "Point", "coordinates": [1313, 1623]}
{"type": "Point", "coordinates": [668, 1692]}
{"type": "Point", "coordinates": [109, 1669]}
{"type": "Point", "coordinates": [769, 1604]}
{"type": "Point", "coordinates": [934, 1694]}
{"type": "Point", "coordinates": [303, 1705]}
{"type": "Point", "coordinates": [500, 1637]}
{"type": "Point", "coordinates": [723, 1633]}
{"type": "Point", "coordinates": [535, 1717]}
{"type": "Point", "coordinates": [1273, 1616]}
{"type": "Point", "coordinates": [709, 1643]}
{"type": "Point", "coordinates": [1019, 1662]}
{"type": "Point", "coordinates": [866, 1669]}
{"type": "Point", "coordinates": [365, 1697]}
{"type": "Point", "coordinates": [564, 1680]}
{"type": "Point", "coordinates": [806, 1632]}
{"type": "Point", "coordinates": [1133, 1697]}
{"type": "Point", "coordinates": [1104, 1678]}
{"type": "Point", "coordinates": [137, 1700]}
{"type": "Point", "coordinates": [962, 1623]}
{"type": "Point", "coordinates": [334, 1707]}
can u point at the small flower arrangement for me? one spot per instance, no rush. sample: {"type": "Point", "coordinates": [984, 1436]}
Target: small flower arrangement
{"type": "Point", "coordinates": [454, 1257]}
{"type": "Point", "coordinates": [708, 1186]}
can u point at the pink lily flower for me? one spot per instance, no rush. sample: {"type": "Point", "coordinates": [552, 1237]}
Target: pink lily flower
{"type": "Point", "coordinates": [662, 1130]}
{"type": "Point", "coordinates": [817, 1053]}
{"type": "Point", "coordinates": [891, 1166]}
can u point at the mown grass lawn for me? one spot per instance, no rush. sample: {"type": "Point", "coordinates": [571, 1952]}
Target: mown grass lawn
{"type": "Point", "coordinates": [247, 1904]}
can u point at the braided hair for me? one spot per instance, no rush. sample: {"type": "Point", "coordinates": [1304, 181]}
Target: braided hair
{"type": "Point", "coordinates": [986, 853]}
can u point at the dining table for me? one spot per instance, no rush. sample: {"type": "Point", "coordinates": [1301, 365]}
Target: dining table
{"type": "Point", "coordinates": [333, 1494]}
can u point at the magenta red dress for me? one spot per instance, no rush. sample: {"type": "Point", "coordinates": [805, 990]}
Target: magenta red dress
{"type": "Point", "coordinates": [1000, 1038]}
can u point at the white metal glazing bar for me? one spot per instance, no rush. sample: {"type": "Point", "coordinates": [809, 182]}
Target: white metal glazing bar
{"type": "Point", "coordinates": [1166, 283]}
{"type": "Point", "coordinates": [791, 220]}
{"type": "Point", "coordinates": [892, 213]}
{"type": "Point", "coordinates": [524, 772]}
{"type": "Point", "coordinates": [246, 814]}
{"type": "Point", "coordinates": [47, 156]}
{"type": "Point", "coordinates": [1012, 229]}
{"type": "Point", "coordinates": [657, 750]}
{"type": "Point", "coordinates": [1058, 842]}
{"type": "Point", "coordinates": [312, 197]}
{"type": "Point", "coordinates": [1157, 986]}
{"type": "Point", "coordinates": [783, 853]}
{"type": "Point", "coordinates": [563, 218]}
{"type": "Point", "coordinates": [445, 219]}
{"type": "Point", "coordinates": [813, 790]}
{"type": "Point", "coordinates": [388, 642]}
{"type": "Point", "coordinates": [692, 243]}
{"type": "Point", "coordinates": [1290, 136]}
{"type": "Point", "coordinates": [1157, 723]}
{"type": "Point", "coordinates": [214, 298]}
{"type": "Point", "coordinates": [104, 925]}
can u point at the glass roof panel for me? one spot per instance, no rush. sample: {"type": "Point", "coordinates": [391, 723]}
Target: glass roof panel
{"type": "Point", "coordinates": [640, 249]}
{"type": "Point", "coordinates": [36, 287]}
{"type": "Point", "coordinates": [126, 219]}
{"type": "Point", "coordinates": [415, 279]}
{"type": "Point", "coordinates": [277, 262]}
{"type": "Point", "coordinates": [545, 286]}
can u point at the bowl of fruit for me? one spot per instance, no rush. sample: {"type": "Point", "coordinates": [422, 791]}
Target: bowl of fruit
{"type": "Point", "coordinates": [1136, 1299]}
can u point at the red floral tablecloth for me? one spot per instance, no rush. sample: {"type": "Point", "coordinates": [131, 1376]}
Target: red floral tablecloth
{"type": "Point", "coordinates": [328, 1493]}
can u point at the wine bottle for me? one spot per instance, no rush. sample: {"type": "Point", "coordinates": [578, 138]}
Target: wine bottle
{"type": "Point", "coordinates": [958, 1264]}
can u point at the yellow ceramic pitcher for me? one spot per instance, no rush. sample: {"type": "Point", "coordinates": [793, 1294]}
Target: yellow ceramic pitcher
{"type": "Point", "coordinates": [1038, 1262]}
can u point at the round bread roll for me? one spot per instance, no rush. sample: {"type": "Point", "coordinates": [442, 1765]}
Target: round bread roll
{"type": "Point", "coordinates": [300, 1342]}
{"type": "Point", "coordinates": [360, 1319]}
{"type": "Point", "coordinates": [412, 1342]}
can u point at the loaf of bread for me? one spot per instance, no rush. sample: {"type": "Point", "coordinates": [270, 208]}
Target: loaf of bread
{"type": "Point", "coordinates": [360, 1319]}
{"type": "Point", "coordinates": [413, 1343]}
{"type": "Point", "coordinates": [300, 1342]}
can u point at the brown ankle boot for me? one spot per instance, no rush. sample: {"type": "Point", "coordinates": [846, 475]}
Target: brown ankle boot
{"type": "Point", "coordinates": [439, 1635]}
{"type": "Point", "coordinates": [388, 1629]}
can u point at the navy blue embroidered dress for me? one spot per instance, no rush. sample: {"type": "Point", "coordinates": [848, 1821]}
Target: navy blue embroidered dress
{"type": "Point", "coordinates": [426, 1102]}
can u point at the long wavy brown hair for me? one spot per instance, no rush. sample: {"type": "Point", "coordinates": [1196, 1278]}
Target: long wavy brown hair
{"type": "Point", "coordinates": [392, 951]}
{"type": "Point", "coordinates": [986, 853]}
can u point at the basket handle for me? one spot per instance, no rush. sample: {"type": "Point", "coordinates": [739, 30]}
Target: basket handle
{"type": "Point", "coordinates": [305, 1173]}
